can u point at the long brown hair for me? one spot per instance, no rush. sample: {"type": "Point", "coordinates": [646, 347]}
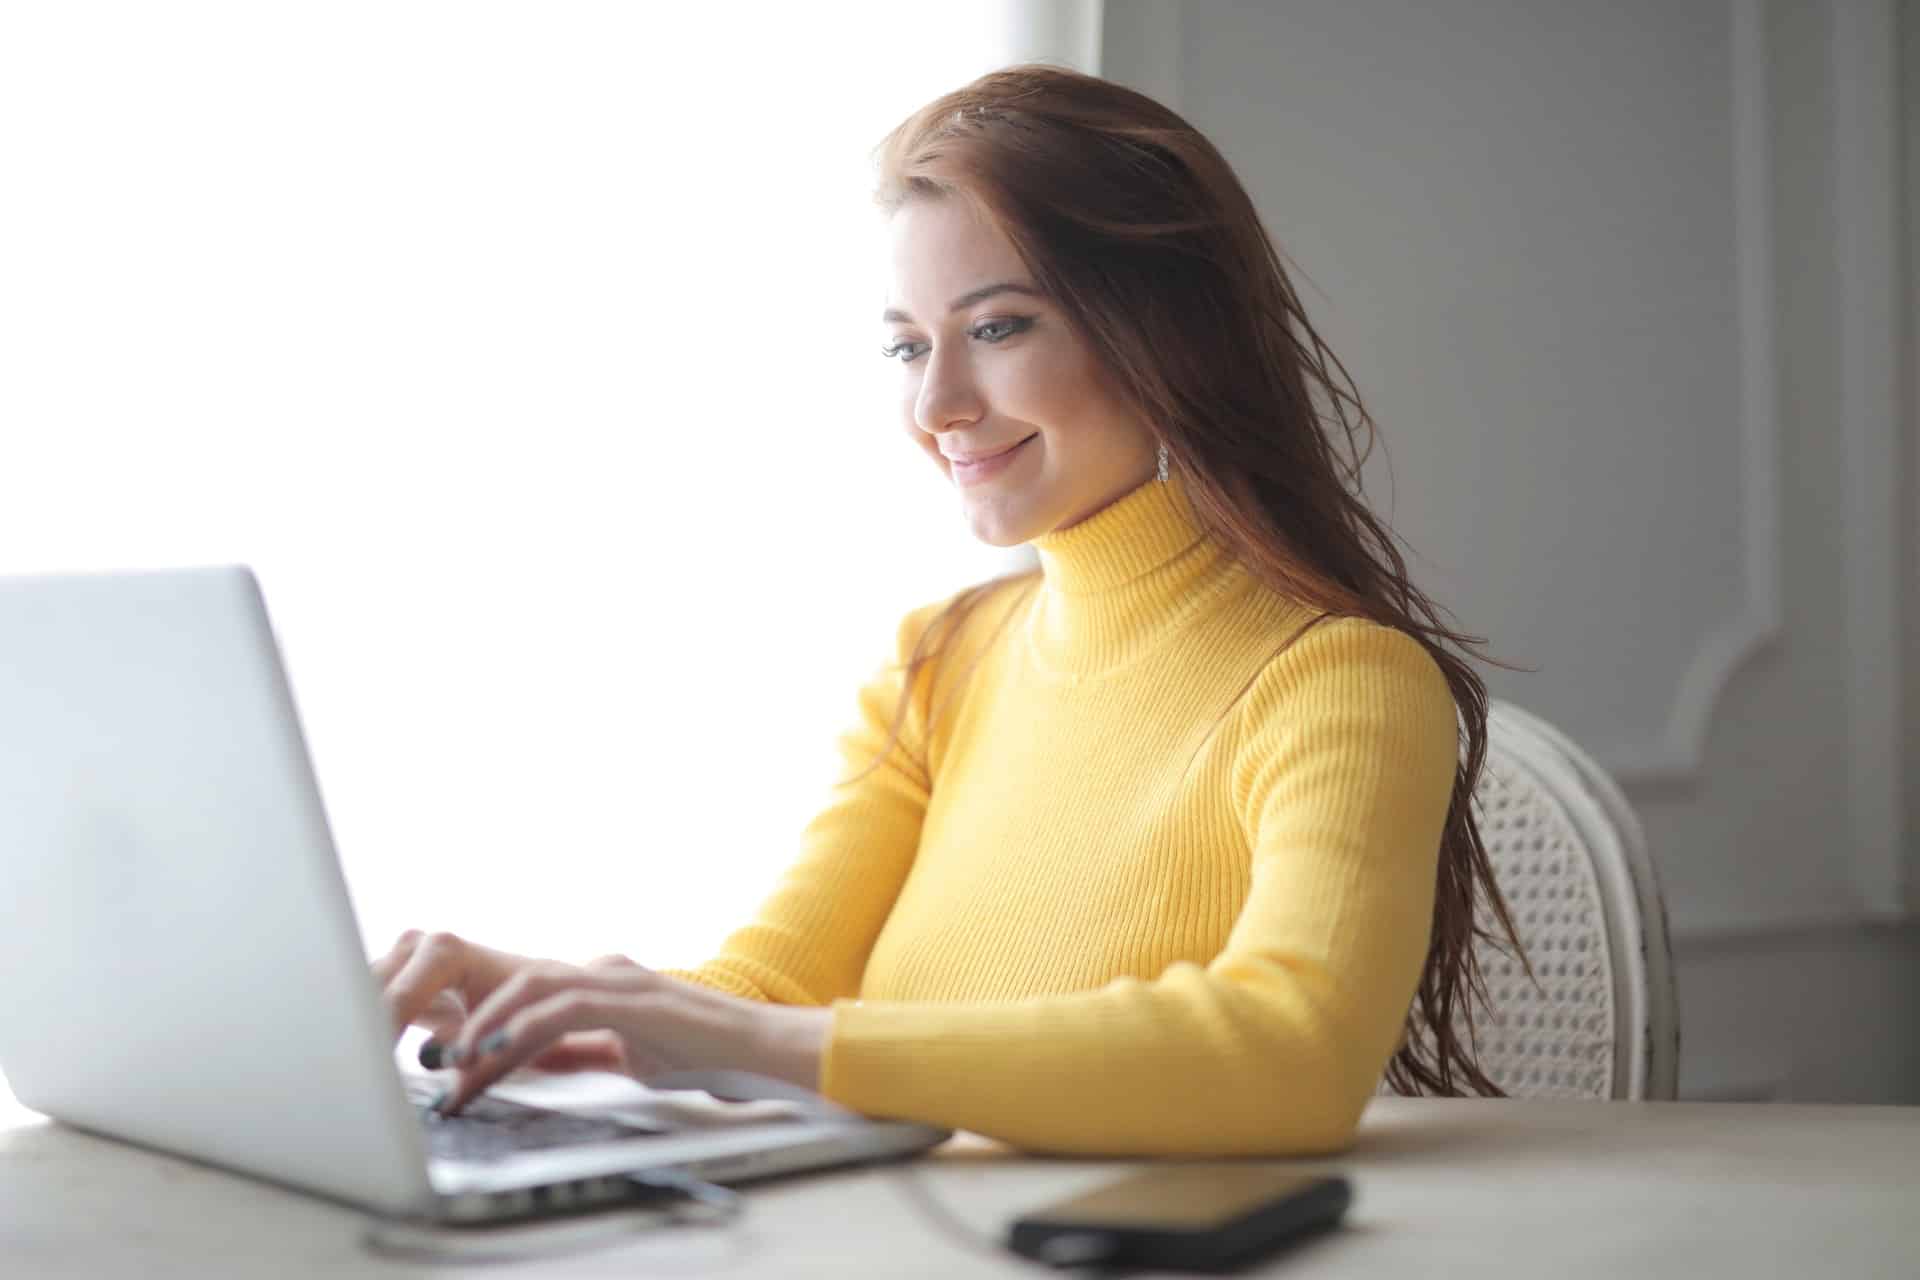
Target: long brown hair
{"type": "Point", "coordinates": [1138, 228]}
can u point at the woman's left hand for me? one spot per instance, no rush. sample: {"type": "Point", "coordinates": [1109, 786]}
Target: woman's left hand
{"type": "Point", "coordinates": [656, 1024]}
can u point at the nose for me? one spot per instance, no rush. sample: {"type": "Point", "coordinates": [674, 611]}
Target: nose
{"type": "Point", "coordinates": [948, 396]}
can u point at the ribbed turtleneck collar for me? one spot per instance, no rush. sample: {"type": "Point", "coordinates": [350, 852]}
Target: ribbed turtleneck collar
{"type": "Point", "coordinates": [1117, 583]}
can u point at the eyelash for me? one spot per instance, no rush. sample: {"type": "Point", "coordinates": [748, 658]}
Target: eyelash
{"type": "Point", "coordinates": [1013, 325]}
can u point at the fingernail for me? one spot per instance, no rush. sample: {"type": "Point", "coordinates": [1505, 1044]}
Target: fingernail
{"type": "Point", "coordinates": [431, 1055]}
{"type": "Point", "coordinates": [453, 1056]}
{"type": "Point", "coordinates": [437, 1102]}
{"type": "Point", "coordinates": [492, 1044]}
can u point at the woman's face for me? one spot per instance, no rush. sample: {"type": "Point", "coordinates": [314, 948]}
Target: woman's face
{"type": "Point", "coordinates": [989, 365]}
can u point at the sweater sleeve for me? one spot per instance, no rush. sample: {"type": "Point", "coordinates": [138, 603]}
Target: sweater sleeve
{"type": "Point", "coordinates": [1344, 759]}
{"type": "Point", "coordinates": [810, 941]}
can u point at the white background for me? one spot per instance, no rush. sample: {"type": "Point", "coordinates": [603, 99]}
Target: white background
{"type": "Point", "coordinates": [530, 354]}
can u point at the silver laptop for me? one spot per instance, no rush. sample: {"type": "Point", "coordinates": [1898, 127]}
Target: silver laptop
{"type": "Point", "coordinates": [179, 961]}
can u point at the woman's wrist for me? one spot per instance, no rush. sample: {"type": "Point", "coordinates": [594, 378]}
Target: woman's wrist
{"type": "Point", "coordinates": [786, 1042]}
{"type": "Point", "coordinates": [791, 1042]}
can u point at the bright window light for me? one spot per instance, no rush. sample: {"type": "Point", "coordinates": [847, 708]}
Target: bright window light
{"type": "Point", "coordinates": [530, 355]}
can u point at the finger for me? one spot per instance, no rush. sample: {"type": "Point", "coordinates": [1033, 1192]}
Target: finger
{"type": "Point", "coordinates": [397, 955]}
{"type": "Point", "coordinates": [438, 962]}
{"type": "Point", "coordinates": [526, 985]}
{"type": "Point", "coordinates": [442, 1019]}
{"type": "Point", "coordinates": [614, 961]}
{"type": "Point", "coordinates": [532, 1028]}
{"type": "Point", "coordinates": [584, 1051]}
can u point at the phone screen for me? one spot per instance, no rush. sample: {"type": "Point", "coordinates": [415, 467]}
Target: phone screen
{"type": "Point", "coordinates": [1183, 1197]}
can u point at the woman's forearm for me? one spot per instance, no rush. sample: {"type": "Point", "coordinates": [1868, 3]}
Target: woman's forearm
{"type": "Point", "coordinates": [778, 1040]}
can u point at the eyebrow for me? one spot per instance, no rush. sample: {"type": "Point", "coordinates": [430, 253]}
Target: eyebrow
{"type": "Point", "coordinates": [965, 300]}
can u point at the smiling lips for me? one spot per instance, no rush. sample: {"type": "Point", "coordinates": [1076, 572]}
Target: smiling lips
{"type": "Point", "coordinates": [970, 459]}
{"type": "Point", "coordinates": [987, 465]}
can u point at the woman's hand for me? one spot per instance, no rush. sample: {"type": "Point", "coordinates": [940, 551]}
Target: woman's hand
{"type": "Point", "coordinates": [656, 1024]}
{"type": "Point", "coordinates": [435, 980]}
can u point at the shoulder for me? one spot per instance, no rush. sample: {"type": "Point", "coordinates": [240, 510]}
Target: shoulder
{"type": "Point", "coordinates": [1354, 683]}
{"type": "Point", "coordinates": [937, 641]}
{"type": "Point", "coordinates": [1351, 652]}
{"type": "Point", "coordinates": [963, 618]}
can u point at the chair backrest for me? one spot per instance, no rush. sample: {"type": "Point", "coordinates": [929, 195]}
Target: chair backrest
{"type": "Point", "coordinates": [1571, 860]}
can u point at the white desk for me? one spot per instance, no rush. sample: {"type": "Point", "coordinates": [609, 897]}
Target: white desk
{"type": "Point", "coordinates": [1442, 1188]}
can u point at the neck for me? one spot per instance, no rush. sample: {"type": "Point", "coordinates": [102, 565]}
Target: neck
{"type": "Point", "coordinates": [1123, 579]}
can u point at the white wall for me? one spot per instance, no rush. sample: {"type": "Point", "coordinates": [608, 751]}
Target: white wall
{"type": "Point", "coordinates": [1623, 286]}
{"type": "Point", "coordinates": [1909, 340]}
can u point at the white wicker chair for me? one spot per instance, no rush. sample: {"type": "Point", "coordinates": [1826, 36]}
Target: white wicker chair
{"type": "Point", "coordinates": [1571, 860]}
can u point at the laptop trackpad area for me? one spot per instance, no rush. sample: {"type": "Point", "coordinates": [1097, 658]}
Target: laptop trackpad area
{"type": "Point", "coordinates": [490, 1128]}
{"type": "Point", "coordinates": [536, 1125]}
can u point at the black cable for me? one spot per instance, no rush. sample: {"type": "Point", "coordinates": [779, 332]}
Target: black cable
{"type": "Point", "coordinates": [1089, 1253]}
{"type": "Point", "coordinates": [906, 1176]}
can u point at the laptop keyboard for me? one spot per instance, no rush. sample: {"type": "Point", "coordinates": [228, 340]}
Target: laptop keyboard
{"type": "Point", "coordinates": [489, 1128]}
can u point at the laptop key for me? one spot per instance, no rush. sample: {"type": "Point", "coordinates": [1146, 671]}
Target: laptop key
{"type": "Point", "coordinates": [493, 1128]}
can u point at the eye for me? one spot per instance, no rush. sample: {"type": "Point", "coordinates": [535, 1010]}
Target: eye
{"type": "Point", "coordinates": [989, 331]}
{"type": "Point", "coordinates": [1000, 330]}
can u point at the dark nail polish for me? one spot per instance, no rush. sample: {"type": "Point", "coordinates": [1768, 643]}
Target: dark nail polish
{"type": "Point", "coordinates": [492, 1044]}
{"type": "Point", "coordinates": [430, 1055]}
{"type": "Point", "coordinates": [453, 1056]}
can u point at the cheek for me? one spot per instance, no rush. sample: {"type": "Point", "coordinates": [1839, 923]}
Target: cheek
{"type": "Point", "coordinates": [1050, 389]}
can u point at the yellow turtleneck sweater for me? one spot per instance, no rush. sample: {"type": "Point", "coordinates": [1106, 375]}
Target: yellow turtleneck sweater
{"type": "Point", "coordinates": [1083, 917]}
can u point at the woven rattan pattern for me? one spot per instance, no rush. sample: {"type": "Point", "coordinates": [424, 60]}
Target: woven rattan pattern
{"type": "Point", "coordinates": [1555, 1040]}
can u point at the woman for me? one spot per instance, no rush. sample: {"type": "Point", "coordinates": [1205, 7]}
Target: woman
{"type": "Point", "coordinates": [1164, 848]}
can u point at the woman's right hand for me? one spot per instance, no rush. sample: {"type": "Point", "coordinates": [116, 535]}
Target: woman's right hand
{"type": "Point", "coordinates": [434, 980]}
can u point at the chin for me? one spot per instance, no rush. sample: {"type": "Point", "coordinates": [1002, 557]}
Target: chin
{"type": "Point", "coordinates": [998, 525]}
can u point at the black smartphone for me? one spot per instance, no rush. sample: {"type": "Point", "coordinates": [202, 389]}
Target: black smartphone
{"type": "Point", "coordinates": [1196, 1217]}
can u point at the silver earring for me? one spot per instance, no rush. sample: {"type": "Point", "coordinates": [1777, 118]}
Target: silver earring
{"type": "Point", "coordinates": [1163, 464]}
